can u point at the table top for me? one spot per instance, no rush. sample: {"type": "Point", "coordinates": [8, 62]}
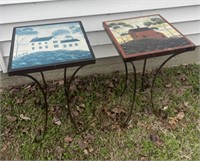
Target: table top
{"type": "Point", "coordinates": [146, 37]}
{"type": "Point", "coordinates": [49, 46]}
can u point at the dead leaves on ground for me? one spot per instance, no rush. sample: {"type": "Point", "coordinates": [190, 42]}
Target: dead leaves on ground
{"type": "Point", "coordinates": [84, 142]}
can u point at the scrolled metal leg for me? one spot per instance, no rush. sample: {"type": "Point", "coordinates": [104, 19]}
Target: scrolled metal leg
{"type": "Point", "coordinates": [67, 92]}
{"type": "Point", "coordinates": [133, 96]}
{"type": "Point", "coordinates": [143, 75]}
{"type": "Point", "coordinates": [126, 79]}
{"type": "Point", "coordinates": [154, 79]}
{"type": "Point", "coordinates": [43, 79]}
{"type": "Point", "coordinates": [44, 93]}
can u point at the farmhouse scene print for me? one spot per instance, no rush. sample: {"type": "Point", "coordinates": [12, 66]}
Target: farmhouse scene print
{"type": "Point", "coordinates": [49, 44]}
{"type": "Point", "coordinates": [145, 34]}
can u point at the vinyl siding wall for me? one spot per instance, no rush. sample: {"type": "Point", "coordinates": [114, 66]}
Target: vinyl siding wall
{"type": "Point", "coordinates": [183, 14]}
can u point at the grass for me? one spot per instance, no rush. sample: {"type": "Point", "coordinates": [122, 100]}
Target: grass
{"type": "Point", "coordinates": [99, 112]}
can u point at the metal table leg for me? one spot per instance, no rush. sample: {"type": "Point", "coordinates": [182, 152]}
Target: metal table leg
{"type": "Point", "coordinates": [133, 96]}
{"type": "Point", "coordinates": [67, 92]}
{"type": "Point", "coordinates": [154, 79]}
{"type": "Point", "coordinates": [126, 80]}
{"type": "Point", "coordinates": [134, 91]}
{"type": "Point", "coordinates": [44, 93]}
{"type": "Point", "coordinates": [143, 75]}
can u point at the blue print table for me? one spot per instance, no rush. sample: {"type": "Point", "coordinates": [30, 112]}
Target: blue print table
{"type": "Point", "coordinates": [45, 47]}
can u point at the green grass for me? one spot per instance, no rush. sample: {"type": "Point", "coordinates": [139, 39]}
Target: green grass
{"type": "Point", "coordinates": [99, 113]}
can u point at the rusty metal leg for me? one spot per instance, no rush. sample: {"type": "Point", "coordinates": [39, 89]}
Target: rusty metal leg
{"type": "Point", "coordinates": [67, 92]}
{"type": "Point", "coordinates": [133, 96]}
{"type": "Point", "coordinates": [154, 79]}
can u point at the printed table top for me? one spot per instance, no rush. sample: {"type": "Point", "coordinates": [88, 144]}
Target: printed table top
{"type": "Point", "coordinates": [146, 37]}
{"type": "Point", "coordinates": [50, 46]}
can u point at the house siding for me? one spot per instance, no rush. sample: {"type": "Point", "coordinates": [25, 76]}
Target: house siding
{"type": "Point", "coordinates": [184, 15]}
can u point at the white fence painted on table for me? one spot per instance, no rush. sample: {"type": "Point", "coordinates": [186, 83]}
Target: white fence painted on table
{"type": "Point", "coordinates": [183, 14]}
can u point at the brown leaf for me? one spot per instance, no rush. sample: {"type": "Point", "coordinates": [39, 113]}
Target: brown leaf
{"type": "Point", "coordinates": [90, 149]}
{"type": "Point", "coordinates": [52, 89]}
{"type": "Point", "coordinates": [182, 77]}
{"type": "Point", "coordinates": [72, 87]}
{"type": "Point", "coordinates": [89, 88]}
{"type": "Point", "coordinates": [173, 122]}
{"type": "Point", "coordinates": [80, 98]}
{"type": "Point", "coordinates": [59, 150]}
{"type": "Point", "coordinates": [169, 85]}
{"type": "Point", "coordinates": [82, 144]}
{"type": "Point", "coordinates": [68, 139]}
{"type": "Point", "coordinates": [28, 86]}
{"type": "Point", "coordinates": [165, 108]}
{"type": "Point", "coordinates": [75, 113]}
{"type": "Point", "coordinates": [180, 115]}
{"type": "Point", "coordinates": [56, 121]}
{"type": "Point", "coordinates": [117, 110]}
{"type": "Point", "coordinates": [19, 101]}
{"type": "Point", "coordinates": [24, 117]}
{"type": "Point", "coordinates": [14, 90]}
{"type": "Point", "coordinates": [89, 137]}
{"type": "Point", "coordinates": [156, 139]}
{"type": "Point", "coordinates": [113, 116]}
{"type": "Point", "coordinates": [111, 85]}
{"type": "Point", "coordinates": [85, 151]}
{"type": "Point", "coordinates": [11, 118]}
{"type": "Point", "coordinates": [144, 158]}
{"type": "Point", "coordinates": [165, 101]}
{"type": "Point", "coordinates": [82, 105]}
{"type": "Point", "coordinates": [26, 130]}
{"type": "Point", "coordinates": [61, 82]}
{"type": "Point", "coordinates": [186, 104]}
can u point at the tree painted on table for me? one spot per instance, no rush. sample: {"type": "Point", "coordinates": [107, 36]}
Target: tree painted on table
{"type": "Point", "coordinates": [157, 21]}
{"type": "Point", "coordinates": [116, 27]}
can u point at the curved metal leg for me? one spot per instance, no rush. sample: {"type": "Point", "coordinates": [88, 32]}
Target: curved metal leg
{"type": "Point", "coordinates": [143, 73]}
{"type": "Point", "coordinates": [126, 79]}
{"type": "Point", "coordinates": [67, 90]}
{"type": "Point", "coordinates": [154, 79]}
{"type": "Point", "coordinates": [133, 97]}
{"type": "Point", "coordinates": [43, 79]}
{"type": "Point", "coordinates": [44, 93]}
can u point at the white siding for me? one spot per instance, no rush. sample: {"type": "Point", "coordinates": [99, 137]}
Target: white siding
{"type": "Point", "coordinates": [183, 14]}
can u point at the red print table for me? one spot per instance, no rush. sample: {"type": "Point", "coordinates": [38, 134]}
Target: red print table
{"type": "Point", "coordinates": [47, 47]}
{"type": "Point", "coordinates": [142, 38]}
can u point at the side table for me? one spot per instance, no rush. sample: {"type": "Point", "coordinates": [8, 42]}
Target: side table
{"type": "Point", "coordinates": [39, 48]}
{"type": "Point", "coordinates": [145, 37]}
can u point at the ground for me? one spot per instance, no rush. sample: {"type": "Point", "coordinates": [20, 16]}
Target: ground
{"type": "Point", "coordinates": [171, 134]}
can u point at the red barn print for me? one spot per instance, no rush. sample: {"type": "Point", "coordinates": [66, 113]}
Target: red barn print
{"type": "Point", "coordinates": [145, 32]}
